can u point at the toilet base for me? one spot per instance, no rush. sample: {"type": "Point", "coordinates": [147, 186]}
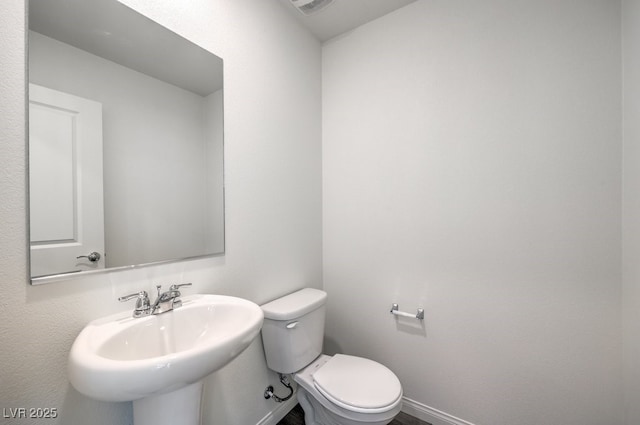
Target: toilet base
{"type": "Point", "coordinates": [313, 415]}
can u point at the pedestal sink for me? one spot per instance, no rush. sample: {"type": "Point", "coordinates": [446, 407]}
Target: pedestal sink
{"type": "Point", "coordinates": [159, 361]}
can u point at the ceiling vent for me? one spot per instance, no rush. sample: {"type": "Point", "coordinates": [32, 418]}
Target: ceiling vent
{"type": "Point", "coordinates": [309, 7]}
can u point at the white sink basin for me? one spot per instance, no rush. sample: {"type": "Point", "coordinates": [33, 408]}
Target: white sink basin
{"type": "Point", "coordinates": [119, 358]}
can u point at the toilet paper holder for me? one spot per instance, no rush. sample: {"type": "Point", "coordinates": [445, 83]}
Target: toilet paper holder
{"type": "Point", "coordinates": [395, 311]}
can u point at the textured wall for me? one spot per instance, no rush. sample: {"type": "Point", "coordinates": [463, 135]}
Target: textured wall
{"type": "Point", "coordinates": [273, 209]}
{"type": "Point", "coordinates": [471, 165]}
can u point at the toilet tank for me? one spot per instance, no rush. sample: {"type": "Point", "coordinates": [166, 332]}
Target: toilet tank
{"type": "Point", "coordinates": [293, 329]}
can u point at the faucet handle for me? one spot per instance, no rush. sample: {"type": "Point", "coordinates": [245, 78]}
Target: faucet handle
{"type": "Point", "coordinates": [139, 295]}
{"type": "Point", "coordinates": [143, 305]}
{"type": "Point", "coordinates": [175, 291]}
{"type": "Point", "coordinates": [175, 287]}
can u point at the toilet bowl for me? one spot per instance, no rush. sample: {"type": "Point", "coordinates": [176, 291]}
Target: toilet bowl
{"type": "Point", "coordinates": [332, 390]}
{"type": "Point", "coordinates": [348, 390]}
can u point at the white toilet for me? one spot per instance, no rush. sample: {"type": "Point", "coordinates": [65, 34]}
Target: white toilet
{"type": "Point", "coordinates": [338, 390]}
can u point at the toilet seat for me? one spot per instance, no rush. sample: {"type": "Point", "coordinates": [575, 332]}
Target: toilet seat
{"type": "Point", "coordinates": [358, 384]}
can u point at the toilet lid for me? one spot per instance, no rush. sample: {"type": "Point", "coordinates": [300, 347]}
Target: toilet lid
{"type": "Point", "coordinates": [358, 384]}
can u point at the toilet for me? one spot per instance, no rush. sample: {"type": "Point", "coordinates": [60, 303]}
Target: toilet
{"type": "Point", "coordinates": [332, 390]}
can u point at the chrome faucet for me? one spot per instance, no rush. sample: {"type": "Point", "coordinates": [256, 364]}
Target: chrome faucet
{"type": "Point", "coordinates": [165, 301]}
{"type": "Point", "coordinates": [168, 300]}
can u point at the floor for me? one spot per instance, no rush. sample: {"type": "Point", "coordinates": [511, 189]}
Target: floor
{"type": "Point", "coordinates": [296, 417]}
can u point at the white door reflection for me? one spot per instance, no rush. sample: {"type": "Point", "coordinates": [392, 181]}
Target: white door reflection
{"type": "Point", "coordinates": [66, 189]}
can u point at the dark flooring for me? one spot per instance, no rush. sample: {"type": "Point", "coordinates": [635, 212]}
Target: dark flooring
{"type": "Point", "coordinates": [296, 417]}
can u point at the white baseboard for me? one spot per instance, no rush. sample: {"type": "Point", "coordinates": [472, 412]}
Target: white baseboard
{"type": "Point", "coordinates": [429, 414]}
{"type": "Point", "coordinates": [279, 412]}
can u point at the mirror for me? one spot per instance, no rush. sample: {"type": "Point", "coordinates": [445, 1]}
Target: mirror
{"type": "Point", "coordinates": [125, 141]}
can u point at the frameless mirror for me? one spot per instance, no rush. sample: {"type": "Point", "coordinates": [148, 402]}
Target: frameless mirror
{"type": "Point", "coordinates": [125, 141]}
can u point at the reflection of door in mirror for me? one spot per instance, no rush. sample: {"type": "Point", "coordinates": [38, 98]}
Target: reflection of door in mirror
{"type": "Point", "coordinates": [66, 196]}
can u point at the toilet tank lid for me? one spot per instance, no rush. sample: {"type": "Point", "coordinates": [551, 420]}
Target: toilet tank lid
{"type": "Point", "coordinates": [294, 305]}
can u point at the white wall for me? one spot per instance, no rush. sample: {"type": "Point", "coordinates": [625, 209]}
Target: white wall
{"type": "Point", "coordinates": [471, 166]}
{"type": "Point", "coordinates": [273, 209]}
{"type": "Point", "coordinates": [631, 207]}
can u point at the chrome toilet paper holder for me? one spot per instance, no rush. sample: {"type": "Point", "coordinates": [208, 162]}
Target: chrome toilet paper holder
{"type": "Point", "coordinates": [395, 311]}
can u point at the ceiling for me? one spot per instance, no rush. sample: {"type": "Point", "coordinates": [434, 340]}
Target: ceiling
{"type": "Point", "coordinates": [344, 15]}
{"type": "Point", "coordinates": [115, 32]}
